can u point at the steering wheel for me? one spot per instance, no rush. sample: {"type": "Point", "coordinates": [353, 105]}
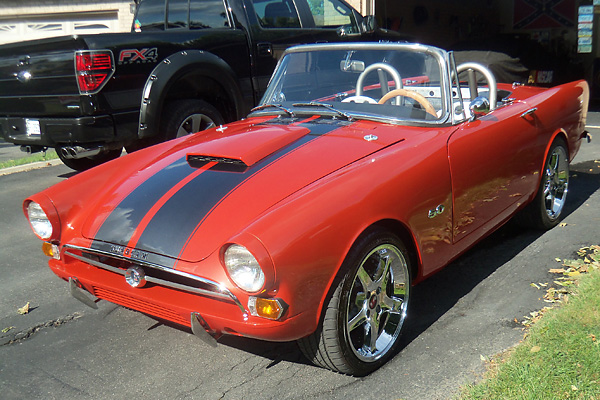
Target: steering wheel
{"type": "Point", "coordinates": [413, 95]}
{"type": "Point", "coordinates": [383, 82]}
{"type": "Point", "coordinates": [471, 69]}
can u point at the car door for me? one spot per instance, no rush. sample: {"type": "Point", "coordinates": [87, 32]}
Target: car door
{"type": "Point", "coordinates": [275, 25]}
{"type": "Point", "coordinates": [330, 20]}
{"type": "Point", "coordinates": [493, 167]}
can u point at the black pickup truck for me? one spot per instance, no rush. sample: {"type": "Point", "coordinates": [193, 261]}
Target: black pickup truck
{"type": "Point", "coordinates": [186, 65]}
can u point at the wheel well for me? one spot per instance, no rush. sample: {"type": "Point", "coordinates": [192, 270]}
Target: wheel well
{"type": "Point", "coordinates": [563, 135]}
{"type": "Point", "coordinates": [400, 230]}
{"type": "Point", "coordinates": [198, 86]}
{"type": "Point", "coordinates": [393, 226]}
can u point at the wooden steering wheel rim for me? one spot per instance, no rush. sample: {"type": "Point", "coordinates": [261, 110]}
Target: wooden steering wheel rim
{"type": "Point", "coordinates": [413, 95]}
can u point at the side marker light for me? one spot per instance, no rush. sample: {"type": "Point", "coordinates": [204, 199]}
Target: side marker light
{"type": "Point", "coordinates": [51, 250]}
{"type": "Point", "coordinates": [266, 308]}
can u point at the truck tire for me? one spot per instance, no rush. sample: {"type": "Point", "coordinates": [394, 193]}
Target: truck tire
{"type": "Point", "coordinates": [184, 117]}
{"type": "Point", "coordinates": [81, 164]}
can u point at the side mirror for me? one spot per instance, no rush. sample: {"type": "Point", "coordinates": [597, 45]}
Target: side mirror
{"type": "Point", "coordinates": [479, 107]}
{"type": "Point", "coordinates": [369, 23]}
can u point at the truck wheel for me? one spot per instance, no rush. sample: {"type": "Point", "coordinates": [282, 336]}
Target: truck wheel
{"type": "Point", "coordinates": [184, 117]}
{"type": "Point", "coordinates": [81, 164]}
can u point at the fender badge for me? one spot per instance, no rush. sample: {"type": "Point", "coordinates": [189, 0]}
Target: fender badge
{"type": "Point", "coordinates": [135, 276]}
{"type": "Point", "coordinates": [221, 128]}
{"type": "Point", "coordinates": [370, 138]}
{"type": "Point", "coordinates": [436, 211]}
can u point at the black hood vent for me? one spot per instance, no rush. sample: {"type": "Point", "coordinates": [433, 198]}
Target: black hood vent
{"type": "Point", "coordinates": [223, 164]}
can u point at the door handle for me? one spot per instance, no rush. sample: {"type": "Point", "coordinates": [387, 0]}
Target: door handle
{"type": "Point", "coordinates": [529, 112]}
{"type": "Point", "coordinates": [264, 49]}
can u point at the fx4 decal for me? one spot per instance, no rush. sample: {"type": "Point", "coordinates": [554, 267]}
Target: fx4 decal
{"type": "Point", "coordinates": [138, 56]}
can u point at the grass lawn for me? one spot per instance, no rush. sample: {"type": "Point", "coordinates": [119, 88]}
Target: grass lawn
{"type": "Point", "coordinates": [559, 357]}
{"type": "Point", "coordinates": [48, 155]}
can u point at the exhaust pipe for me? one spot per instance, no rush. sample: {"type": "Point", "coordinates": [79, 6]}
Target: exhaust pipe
{"type": "Point", "coordinates": [75, 152]}
{"type": "Point", "coordinates": [32, 149]}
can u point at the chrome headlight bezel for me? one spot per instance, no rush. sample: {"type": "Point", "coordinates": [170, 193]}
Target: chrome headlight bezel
{"type": "Point", "coordinates": [39, 221]}
{"type": "Point", "coordinates": [243, 268]}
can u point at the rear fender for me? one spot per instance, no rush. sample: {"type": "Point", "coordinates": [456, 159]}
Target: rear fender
{"type": "Point", "coordinates": [175, 68]}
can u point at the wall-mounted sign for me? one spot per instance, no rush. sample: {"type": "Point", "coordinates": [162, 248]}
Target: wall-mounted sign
{"type": "Point", "coordinates": [585, 28]}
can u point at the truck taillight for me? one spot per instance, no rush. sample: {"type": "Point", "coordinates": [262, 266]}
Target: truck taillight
{"type": "Point", "coordinates": [93, 69]}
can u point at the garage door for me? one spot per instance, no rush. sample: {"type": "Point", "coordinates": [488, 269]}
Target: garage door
{"type": "Point", "coordinates": [27, 27]}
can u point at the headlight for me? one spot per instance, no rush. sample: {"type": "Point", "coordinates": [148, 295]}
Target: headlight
{"type": "Point", "coordinates": [39, 221]}
{"type": "Point", "coordinates": [243, 268]}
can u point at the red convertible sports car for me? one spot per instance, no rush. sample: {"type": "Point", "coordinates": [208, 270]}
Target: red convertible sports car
{"type": "Point", "coordinates": [365, 169]}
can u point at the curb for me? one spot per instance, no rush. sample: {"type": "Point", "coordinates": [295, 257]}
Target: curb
{"type": "Point", "coordinates": [29, 167]}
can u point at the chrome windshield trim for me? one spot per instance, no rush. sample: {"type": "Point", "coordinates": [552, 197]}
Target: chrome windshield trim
{"type": "Point", "coordinates": [440, 55]}
{"type": "Point", "coordinates": [220, 291]}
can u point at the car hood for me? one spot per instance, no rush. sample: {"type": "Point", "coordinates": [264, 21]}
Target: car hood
{"type": "Point", "coordinates": [205, 188]}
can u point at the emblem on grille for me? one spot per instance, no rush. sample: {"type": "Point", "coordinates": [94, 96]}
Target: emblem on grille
{"type": "Point", "coordinates": [135, 276]}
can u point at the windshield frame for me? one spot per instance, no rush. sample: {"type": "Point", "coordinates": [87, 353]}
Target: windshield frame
{"type": "Point", "coordinates": [442, 58]}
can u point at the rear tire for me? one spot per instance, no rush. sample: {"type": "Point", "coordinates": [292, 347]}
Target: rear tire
{"type": "Point", "coordinates": [364, 317]}
{"type": "Point", "coordinates": [184, 117]}
{"type": "Point", "coordinates": [545, 210]}
{"type": "Point", "coordinates": [181, 118]}
{"type": "Point", "coordinates": [82, 164]}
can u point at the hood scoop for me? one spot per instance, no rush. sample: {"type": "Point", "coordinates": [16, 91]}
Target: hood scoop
{"type": "Point", "coordinates": [242, 149]}
{"type": "Point", "coordinates": [224, 164]}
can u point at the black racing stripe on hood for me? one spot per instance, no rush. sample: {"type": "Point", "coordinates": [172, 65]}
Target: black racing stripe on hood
{"type": "Point", "coordinates": [121, 223]}
{"type": "Point", "coordinates": [169, 230]}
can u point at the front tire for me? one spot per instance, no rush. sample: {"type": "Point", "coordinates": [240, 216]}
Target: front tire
{"type": "Point", "coordinates": [365, 315]}
{"type": "Point", "coordinates": [545, 210]}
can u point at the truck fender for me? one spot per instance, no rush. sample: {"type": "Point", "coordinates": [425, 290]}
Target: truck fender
{"type": "Point", "coordinates": [176, 67]}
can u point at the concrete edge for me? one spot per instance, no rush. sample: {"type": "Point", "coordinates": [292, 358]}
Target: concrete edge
{"type": "Point", "coordinates": [29, 167]}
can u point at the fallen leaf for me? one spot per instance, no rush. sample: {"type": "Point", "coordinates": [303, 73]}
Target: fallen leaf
{"type": "Point", "coordinates": [562, 224]}
{"type": "Point", "coordinates": [534, 285]}
{"type": "Point", "coordinates": [557, 270]}
{"type": "Point", "coordinates": [558, 259]}
{"type": "Point", "coordinates": [12, 327]}
{"type": "Point", "coordinates": [24, 310]}
{"type": "Point", "coordinates": [574, 388]}
{"type": "Point", "coordinates": [535, 349]}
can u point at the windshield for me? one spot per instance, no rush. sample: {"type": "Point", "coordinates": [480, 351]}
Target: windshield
{"type": "Point", "coordinates": [389, 82]}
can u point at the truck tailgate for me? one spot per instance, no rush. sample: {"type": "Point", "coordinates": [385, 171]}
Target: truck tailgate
{"type": "Point", "coordinates": [30, 71]}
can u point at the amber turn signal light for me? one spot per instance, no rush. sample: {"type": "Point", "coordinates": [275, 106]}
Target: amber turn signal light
{"type": "Point", "coordinates": [266, 308]}
{"type": "Point", "coordinates": [51, 250]}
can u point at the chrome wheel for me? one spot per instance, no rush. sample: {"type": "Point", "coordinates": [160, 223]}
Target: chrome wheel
{"type": "Point", "coordinates": [377, 303]}
{"type": "Point", "coordinates": [364, 316]}
{"type": "Point", "coordinates": [556, 182]}
{"type": "Point", "coordinates": [195, 123]}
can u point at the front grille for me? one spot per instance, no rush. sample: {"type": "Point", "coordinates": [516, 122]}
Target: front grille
{"type": "Point", "coordinates": [139, 305]}
{"type": "Point", "coordinates": [155, 274]}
